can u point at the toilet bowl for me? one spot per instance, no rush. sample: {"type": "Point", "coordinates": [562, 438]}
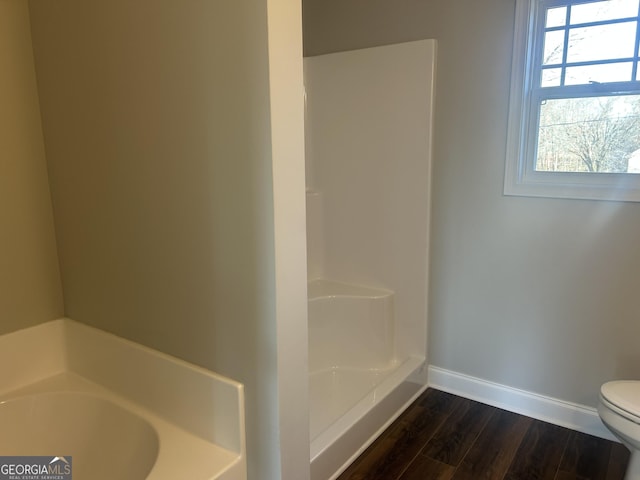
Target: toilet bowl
{"type": "Point", "coordinates": [619, 410]}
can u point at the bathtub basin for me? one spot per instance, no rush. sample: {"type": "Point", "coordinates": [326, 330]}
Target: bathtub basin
{"type": "Point", "coordinates": [108, 436]}
{"type": "Point", "coordinates": [104, 440]}
{"type": "Point", "coordinates": [118, 409]}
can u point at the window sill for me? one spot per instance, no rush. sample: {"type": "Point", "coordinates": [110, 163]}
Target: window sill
{"type": "Point", "coordinates": [617, 187]}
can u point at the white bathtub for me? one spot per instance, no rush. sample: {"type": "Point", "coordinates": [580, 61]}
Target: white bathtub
{"type": "Point", "coordinates": [118, 409]}
{"type": "Point", "coordinates": [357, 385]}
{"type": "Point", "coordinates": [102, 439]}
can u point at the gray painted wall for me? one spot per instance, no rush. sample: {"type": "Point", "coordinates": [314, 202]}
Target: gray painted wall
{"type": "Point", "coordinates": [30, 289]}
{"type": "Point", "coordinates": [166, 166]}
{"type": "Point", "coordinates": [537, 294]}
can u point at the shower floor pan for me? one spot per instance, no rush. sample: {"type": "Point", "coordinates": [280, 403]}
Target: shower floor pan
{"type": "Point", "coordinates": [349, 408]}
{"type": "Point", "coordinates": [357, 385]}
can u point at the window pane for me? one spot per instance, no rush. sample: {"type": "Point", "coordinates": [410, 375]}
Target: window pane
{"type": "Point", "coordinates": [556, 17]}
{"type": "Point", "coordinates": [553, 47]}
{"type": "Point", "coordinates": [606, 10]}
{"type": "Point", "coordinates": [601, 42]}
{"type": "Point", "coordinates": [597, 134]}
{"type": "Point", "coordinates": [551, 77]}
{"type": "Point", "coordinates": [610, 72]}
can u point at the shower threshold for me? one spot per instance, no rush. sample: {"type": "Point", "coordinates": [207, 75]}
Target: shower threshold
{"type": "Point", "coordinates": [350, 407]}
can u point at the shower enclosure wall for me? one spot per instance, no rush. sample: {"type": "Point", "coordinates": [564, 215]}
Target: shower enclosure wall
{"type": "Point", "coordinates": [368, 156]}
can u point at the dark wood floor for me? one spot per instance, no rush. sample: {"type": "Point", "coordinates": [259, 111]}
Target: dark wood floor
{"type": "Point", "coordinates": [445, 437]}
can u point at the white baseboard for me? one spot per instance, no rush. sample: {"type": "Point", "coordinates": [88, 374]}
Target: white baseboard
{"type": "Point", "coordinates": [559, 412]}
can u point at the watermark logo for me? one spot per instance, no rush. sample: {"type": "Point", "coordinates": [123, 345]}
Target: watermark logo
{"type": "Point", "coordinates": [36, 468]}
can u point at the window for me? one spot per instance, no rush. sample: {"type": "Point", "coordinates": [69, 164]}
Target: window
{"type": "Point", "coordinates": [574, 115]}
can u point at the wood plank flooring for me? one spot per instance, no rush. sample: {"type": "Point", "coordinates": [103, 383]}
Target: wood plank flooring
{"type": "Point", "coordinates": [445, 437]}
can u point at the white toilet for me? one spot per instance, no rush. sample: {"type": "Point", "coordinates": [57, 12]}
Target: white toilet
{"type": "Point", "coordinates": [619, 409]}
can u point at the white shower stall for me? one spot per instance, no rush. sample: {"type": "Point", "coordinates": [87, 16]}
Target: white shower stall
{"type": "Point", "coordinates": [368, 158]}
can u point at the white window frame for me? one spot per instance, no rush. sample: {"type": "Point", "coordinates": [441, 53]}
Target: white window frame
{"type": "Point", "coordinates": [521, 178]}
